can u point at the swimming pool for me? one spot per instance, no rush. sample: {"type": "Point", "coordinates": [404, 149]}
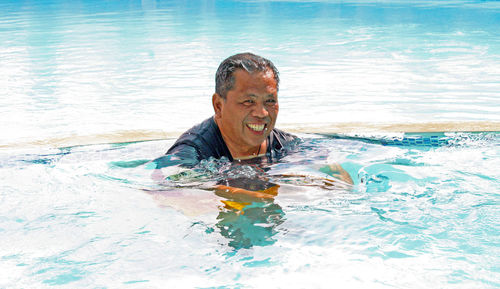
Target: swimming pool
{"type": "Point", "coordinates": [81, 81]}
{"type": "Point", "coordinates": [417, 216]}
{"type": "Point", "coordinates": [102, 67]}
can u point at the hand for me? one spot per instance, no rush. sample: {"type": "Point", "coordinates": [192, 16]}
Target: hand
{"type": "Point", "coordinates": [335, 170]}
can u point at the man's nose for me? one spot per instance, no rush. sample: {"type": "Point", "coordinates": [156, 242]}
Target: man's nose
{"type": "Point", "coordinates": [260, 110]}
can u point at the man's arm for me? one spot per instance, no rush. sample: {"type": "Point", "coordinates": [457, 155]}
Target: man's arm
{"type": "Point", "coordinates": [335, 170]}
{"type": "Point", "coordinates": [232, 192]}
{"type": "Point", "coordinates": [181, 158]}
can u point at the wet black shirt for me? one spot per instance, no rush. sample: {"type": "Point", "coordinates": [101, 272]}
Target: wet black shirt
{"type": "Point", "coordinates": [205, 140]}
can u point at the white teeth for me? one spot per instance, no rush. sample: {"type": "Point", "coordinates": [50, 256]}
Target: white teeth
{"type": "Point", "coordinates": [256, 127]}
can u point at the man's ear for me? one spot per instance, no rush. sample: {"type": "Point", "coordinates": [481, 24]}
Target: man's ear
{"type": "Point", "coordinates": [217, 104]}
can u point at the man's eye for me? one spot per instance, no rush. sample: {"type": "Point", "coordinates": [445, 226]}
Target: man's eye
{"type": "Point", "coordinates": [271, 101]}
{"type": "Point", "coordinates": [248, 102]}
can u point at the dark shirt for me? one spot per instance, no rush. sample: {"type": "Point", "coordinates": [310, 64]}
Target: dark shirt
{"type": "Point", "coordinates": [204, 141]}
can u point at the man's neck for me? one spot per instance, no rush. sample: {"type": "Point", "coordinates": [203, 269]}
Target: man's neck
{"type": "Point", "coordinates": [237, 152]}
{"type": "Point", "coordinates": [261, 150]}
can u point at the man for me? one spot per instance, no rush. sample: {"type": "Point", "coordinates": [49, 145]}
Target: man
{"type": "Point", "coordinates": [246, 107]}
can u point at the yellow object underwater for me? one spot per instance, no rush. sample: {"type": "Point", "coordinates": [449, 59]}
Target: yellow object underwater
{"type": "Point", "coordinates": [239, 206]}
{"type": "Point", "coordinates": [236, 206]}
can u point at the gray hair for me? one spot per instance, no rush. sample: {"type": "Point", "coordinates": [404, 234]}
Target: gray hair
{"type": "Point", "coordinates": [224, 78]}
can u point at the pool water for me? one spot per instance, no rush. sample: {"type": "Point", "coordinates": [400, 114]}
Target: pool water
{"type": "Point", "coordinates": [423, 211]}
{"type": "Point", "coordinates": [91, 67]}
{"type": "Point", "coordinates": [416, 216]}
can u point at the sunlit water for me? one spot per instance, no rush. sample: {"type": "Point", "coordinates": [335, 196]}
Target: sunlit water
{"type": "Point", "coordinates": [423, 212]}
{"type": "Point", "coordinates": [417, 217]}
{"type": "Point", "coordinates": [86, 67]}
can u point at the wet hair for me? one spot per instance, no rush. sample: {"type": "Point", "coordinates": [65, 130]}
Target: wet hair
{"type": "Point", "coordinates": [249, 62]}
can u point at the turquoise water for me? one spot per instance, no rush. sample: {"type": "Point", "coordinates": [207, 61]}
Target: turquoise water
{"type": "Point", "coordinates": [423, 211]}
{"type": "Point", "coordinates": [417, 216]}
{"type": "Point", "coordinates": [87, 67]}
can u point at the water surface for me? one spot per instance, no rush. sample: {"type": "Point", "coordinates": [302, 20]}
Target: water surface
{"type": "Point", "coordinates": [88, 67]}
{"type": "Point", "coordinates": [417, 216]}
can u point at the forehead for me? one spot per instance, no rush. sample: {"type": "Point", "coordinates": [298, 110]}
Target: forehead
{"type": "Point", "coordinates": [256, 82]}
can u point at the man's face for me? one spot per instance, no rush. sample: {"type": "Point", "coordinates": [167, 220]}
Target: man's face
{"type": "Point", "coordinates": [248, 114]}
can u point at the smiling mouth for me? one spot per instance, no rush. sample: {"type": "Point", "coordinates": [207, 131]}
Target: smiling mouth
{"type": "Point", "coordinates": [257, 127]}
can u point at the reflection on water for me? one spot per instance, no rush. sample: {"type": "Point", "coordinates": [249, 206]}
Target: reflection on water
{"type": "Point", "coordinates": [253, 225]}
{"type": "Point", "coordinates": [142, 66]}
{"type": "Point", "coordinates": [246, 220]}
{"type": "Point", "coordinates": [83, 216]}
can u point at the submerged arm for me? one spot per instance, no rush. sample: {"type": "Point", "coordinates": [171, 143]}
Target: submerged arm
{"type": "Point", "coordinates": [232, 192]}
{"type": "Point", "coordinates": [335, 170]}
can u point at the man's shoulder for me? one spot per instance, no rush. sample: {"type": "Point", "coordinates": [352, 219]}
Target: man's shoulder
{"type": "Point", "coordinates": [200, 130]}
{"type": "Point", "coordinates": [283, 135]}
{"type": "Point", "coordinates": [280, 139]}
{"type": "Point", "coordinates": [204, 137]}
{"type": "Point", "coordinates": [198, 134]}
